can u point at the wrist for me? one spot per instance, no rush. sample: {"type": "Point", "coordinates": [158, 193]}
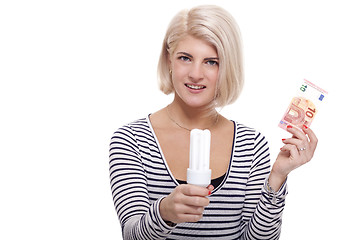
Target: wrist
{"type": "Point", "coordinates": [162, 210]}
{"type": "Point", "coordinates": [276, 180]}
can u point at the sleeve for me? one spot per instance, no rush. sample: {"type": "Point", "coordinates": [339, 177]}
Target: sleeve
{"type": "Point", "coordinates": [262, 212]}
{"type": "Point", "coordinates": [138, 218]}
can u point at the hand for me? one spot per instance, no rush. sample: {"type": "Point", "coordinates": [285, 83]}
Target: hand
{"type": "Point", "coordinates": [185, 204]}
{"type": "Point", "coordinates": [297, 151]}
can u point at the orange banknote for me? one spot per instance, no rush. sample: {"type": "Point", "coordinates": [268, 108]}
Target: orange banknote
{"type": "Point", "coordinates": [304, 106]}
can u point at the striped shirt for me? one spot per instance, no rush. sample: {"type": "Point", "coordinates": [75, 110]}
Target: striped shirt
{"type": "Point", "coordinates": [240, 207]}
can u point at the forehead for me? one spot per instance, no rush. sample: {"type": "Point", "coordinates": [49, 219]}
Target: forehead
{"type": "Point", "coordinates": [196, 47]}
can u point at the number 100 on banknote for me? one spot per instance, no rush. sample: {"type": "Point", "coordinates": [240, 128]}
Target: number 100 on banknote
{"type": "Point", "coordinates": [304, 107]}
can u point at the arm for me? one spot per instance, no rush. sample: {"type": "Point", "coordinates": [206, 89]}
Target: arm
{"type": "Point", "coordinates": [261, 218]}
{"type": "Point", "coordinates": [265, 223]}
{"type": "Point", "coordinates": [138, 218]}
{"type": "Point", "coordinates": [298, 150]}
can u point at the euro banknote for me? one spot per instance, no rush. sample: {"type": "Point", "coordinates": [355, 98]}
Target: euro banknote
{"type": "Point", "coordinates": [304, 106]}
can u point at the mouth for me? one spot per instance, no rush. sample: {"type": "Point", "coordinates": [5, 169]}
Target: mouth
{"type": "Point", "coordinates": [194, 87]}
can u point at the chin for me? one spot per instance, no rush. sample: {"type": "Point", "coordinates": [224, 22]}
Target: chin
{"type": "Point", "coordinates": [199, 101]}
{"type": "Point", "coordinates": [199, 104]}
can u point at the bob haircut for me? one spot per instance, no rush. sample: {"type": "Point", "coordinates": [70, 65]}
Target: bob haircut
{"type": "Point", "coordinates": [217, 27]}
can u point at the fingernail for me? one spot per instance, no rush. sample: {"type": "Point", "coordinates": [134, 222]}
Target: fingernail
{"type": "Point", "coordinates": [283, 139]}
{"type": "Point", "coordinates": [280, 149]}
{"type": "Point", "coordinates": [209, 192]}
{"type": "Point", "coordinates": [306, 127]}
{"type": "Point", "coordinates": [288, 126]}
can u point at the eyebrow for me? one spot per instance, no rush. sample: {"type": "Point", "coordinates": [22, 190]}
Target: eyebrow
{"type": "Point", "coordinates": [211, 58]}
{"type": "Point", "coordinates": [185, 53]}
{"type": "Point", "coordinates": [189, 55]}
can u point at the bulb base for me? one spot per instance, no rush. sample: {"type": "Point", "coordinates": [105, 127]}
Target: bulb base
{"type": "Point", "coordinates": [200, 178]}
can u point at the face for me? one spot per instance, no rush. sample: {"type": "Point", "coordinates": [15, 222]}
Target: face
{"type": "Point", "coordinates": [195, 67]}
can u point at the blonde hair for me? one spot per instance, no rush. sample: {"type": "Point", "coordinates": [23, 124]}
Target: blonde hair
{"type": "Point", "coordinates": [216, 26]}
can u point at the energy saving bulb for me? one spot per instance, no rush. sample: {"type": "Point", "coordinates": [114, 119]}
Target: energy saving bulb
{"type": "Point", "coordinates": [199, 172]}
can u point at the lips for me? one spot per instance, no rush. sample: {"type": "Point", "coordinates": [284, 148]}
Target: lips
{"type": "Point", "coordinates": [194, 87]}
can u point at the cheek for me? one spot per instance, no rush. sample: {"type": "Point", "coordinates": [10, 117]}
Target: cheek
{"type": "Point", "coordinates": [179, 72]}
{"type": "Point", "coordinates": [214, 75]}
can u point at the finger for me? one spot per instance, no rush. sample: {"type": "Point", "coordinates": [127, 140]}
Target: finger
{"type": "Point", "coordinates": [312, 137]}
{"type": "Point", "coordinates": [297, 142]}
{"type": "Point", "coordinates": [190, 217]}
{"type": "Point", "coordinates": [193, 210]}
{"type": "Point", "coordinates": [210, 188]}
{"type": "Point", "coordinates": [188, 209]}
{"type": "Point", "coordinates": [293, 141]}
{"type": "Point", "coordinates": [196, 201]}
{"type": "Point", "coordinates": [292, 149]}
{"type": "Point", "coordinates": [296, 132]}
{"type": "Point", "coordinates": [193, 190]}
{"type": "Point", "coordinates": [194, 195]}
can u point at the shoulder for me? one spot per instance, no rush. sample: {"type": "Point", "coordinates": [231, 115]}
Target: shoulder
{"type": "Point", "coordinates": [137, 124]}
{"type": "Point", "coordinates": [132, 130]}
{"type": "Point", "coordinates": [245, 132]}
{"type": "Point", "coordinates": [134, 126]}
{"type": "Point", "coordinates": [252, 142]}
{"type": "Point", "coordinates": [127, 138]}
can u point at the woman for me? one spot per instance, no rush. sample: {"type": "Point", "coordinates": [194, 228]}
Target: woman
{"type": "Point", "coordinates": [201, 64]}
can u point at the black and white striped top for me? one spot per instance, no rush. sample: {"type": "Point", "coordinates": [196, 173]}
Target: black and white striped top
{"type": "Point", "coordinates": [240, 207]}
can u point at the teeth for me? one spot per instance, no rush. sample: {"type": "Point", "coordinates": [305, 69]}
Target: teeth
{"type": "Point", "coordinates": [194, 86]}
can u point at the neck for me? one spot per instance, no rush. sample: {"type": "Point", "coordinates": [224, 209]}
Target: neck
{"type": "Point", "coordinates": [192, 117]}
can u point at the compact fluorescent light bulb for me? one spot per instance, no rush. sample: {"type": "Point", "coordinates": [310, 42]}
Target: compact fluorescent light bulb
{"type": "Point", "coordinates": [199, 172]}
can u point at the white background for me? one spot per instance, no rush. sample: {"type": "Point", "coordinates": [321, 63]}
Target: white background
{"type": "Point", "coordinates": [74, 71]}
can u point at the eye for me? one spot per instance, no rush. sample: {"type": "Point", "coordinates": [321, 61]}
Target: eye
{"type": "Point", "coordinates": [184, 58]}
{"type": "Point", "coordinates": [212, 63]}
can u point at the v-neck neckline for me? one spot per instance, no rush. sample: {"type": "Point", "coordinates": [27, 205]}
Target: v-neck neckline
{"type": "Point", "coordinates": [167, 166]}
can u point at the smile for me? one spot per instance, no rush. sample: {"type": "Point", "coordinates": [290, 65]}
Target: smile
{"type": "Point", "coordinates": [195, 87]}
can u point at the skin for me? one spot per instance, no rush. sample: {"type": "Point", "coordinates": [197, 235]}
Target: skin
{"type": "Point", "coordinates": [195, 63]}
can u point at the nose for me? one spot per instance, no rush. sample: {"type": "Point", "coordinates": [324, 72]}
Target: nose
{"type": "Point", "coordinates": [196, 72]}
